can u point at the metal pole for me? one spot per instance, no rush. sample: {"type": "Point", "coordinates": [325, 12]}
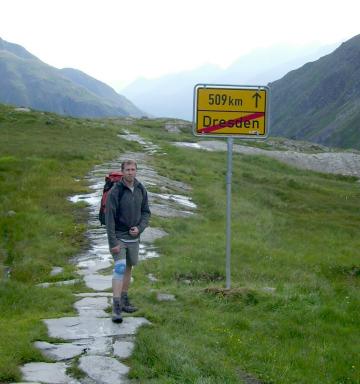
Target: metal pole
{"type": "Point", "coordinates": [228, 209]}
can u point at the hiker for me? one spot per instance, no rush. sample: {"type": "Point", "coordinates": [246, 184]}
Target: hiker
{"type": "Point", "coordinates": [127, 214]}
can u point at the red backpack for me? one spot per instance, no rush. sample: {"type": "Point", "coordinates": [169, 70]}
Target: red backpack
{"type": "Point", "coordinates": [110, 180]}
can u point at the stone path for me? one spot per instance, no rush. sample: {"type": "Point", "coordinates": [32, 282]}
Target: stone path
{"type": "Point", "coordinates": [91, 341]}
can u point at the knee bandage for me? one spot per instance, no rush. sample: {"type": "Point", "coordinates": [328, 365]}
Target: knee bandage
{"type": "Point", "coordinates": [119, 269]}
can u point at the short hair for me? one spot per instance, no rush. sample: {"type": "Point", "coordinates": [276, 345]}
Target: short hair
{"type": "Point", "coordinates": [127, 162]}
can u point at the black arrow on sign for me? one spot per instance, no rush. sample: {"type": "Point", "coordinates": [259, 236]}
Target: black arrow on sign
{"type": "Point", "coordinates": [257, 97]}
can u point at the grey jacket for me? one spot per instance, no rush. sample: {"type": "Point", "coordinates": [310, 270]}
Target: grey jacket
{"type": "Point", "coordinates": [131, 211]}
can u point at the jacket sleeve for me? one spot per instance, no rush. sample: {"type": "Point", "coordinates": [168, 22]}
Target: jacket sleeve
{"type": "Point", "coordinates": [145, 212]}
{"type": "Point", "coordinates": [110, 214]}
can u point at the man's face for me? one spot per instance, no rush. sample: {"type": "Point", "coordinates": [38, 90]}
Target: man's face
{"type": "Point", "coordinates": [129, 172]}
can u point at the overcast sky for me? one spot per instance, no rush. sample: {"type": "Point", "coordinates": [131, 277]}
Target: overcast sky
{"type": "Point", "coordinates": [117, 41]}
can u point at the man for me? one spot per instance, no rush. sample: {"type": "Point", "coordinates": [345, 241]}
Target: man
{"type": "Point", "coordinates": [127, 215]}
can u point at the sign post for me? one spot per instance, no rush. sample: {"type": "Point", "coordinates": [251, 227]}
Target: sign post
{"type": "Point", "coordinates": [228, 210]}
{"type": "Point", "coordinates": [232, 112]}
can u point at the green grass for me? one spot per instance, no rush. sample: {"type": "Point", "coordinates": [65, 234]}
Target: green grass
{"type": "Point", "coordinates": [292, 230]}
{"type": "Point", "coordinates": [292, 315]}
{"type": "Point", "coordinates": [42, 159]}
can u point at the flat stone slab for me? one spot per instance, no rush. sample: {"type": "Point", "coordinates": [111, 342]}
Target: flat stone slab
{"type": "Point", "coordinates": [100, 346]}
{"type": "Point", "coordinates": [165, 297]}
{"type": "Point", "coordinates": [92, 306]}
{"type": "Point", "coordinates": [56, 270]}
{"type": "Point", "coordinates": [49, 373]}
{"type": "Point", "coordinates": [82, 327]}
{"type": "Point", "coordinates": [152, 278]}
{"type": "Point", "coordinates": [64, 351]}
{"type": "Point", "coordinates": [60, 351]}
{"type": "Point", "coordinates": [163, 210]}
{"type": "Point", "coordinates": [151, 234]}
{"type": "Point", "coordinates": [104, 370]}
{"type": "Point", "coordinates": [123, 349]}
{"type": "Point", "coordinates": [104, 346]}
{"type": "Point", "coordinates": [94, 294]}
{"type": "Point", "coordinates": [98, 282]}
{"type": "Point", "coordinates": [59, 283]}
{"type": "Point", "coordinates": [92, 265]}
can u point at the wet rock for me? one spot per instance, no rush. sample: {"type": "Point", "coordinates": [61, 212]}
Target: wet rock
{"type": "Point", "coordinates": [177, 199]}
{"type": "Point", "coordinates": [59, 283]}
{"type": "Point", "coordinates": [192, 145]}
{"type": "Point", "coordinates": [100, 346]}
{"type": "Point", "coordinates": [76, 328]}
{"type": "Point", "coordinates": [65, 351]}
{"type": "Point", "coordinates": [149, 147]}
{"type": "Point", "coordinates": [104, 370]}
{"type": "Point", "coordinates": [98, 282]}
{"type": "Point", "coordinates": [92, 306]}
{"type": "Point", "coordinates": [6, 272]}
{"type": "Point", "coordinates": [152, 278]}
{"type": "Point", "coordinates": [50, 373]}
{"type": "Point", "coordinates": [165, 297]}
{"type": "Point", "coordinates": [62, 351]}
{"type": "Point", "coordinates": [147, 252]}
{"type": "Point", "coordinates": [171, 127]}
{"type": "Point", "coordinates": [269, 289]}
{"type": "Point", "coordinates": [90, 265]}
{"type": "Point", "coordinates": [166, 211]}
{"type": "Point", "coordinates": [56, 271]}
{"type": "Point", "coordinates": [123, 349]}
{"type": "Point", "coordinates": [151, 234]}
{"type": "Point", "coordinates": [94, 294]}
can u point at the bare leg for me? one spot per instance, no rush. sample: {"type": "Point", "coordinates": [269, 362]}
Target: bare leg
{"type": "Point", "coordinates": [117, 286]}
{"type": "Point", "coordinates": [127, 278]}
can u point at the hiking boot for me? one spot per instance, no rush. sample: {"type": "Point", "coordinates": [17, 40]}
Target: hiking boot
{"type": "Point", "coordinates": [116, 313]}
{"type": "Point", "coordinates": [126, 305]}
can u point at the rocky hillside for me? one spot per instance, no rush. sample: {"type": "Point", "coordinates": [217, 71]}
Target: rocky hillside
{"type": "Point", "coordinates": [320, 101]}
{"type": "Point", "coordinates": [27, 81]}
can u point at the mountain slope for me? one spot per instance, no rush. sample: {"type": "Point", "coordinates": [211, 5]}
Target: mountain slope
{"type": "Point", "coordinates": [101, 90]}
{"type": "Point", "coordinates": [172, 95]}
{"type": "Point", "coordinates": [320, 101]}
{"type": "Point", "coordinates": [27, 81]}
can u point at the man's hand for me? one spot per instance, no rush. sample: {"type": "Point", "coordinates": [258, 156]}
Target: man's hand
{"type": "Point", "coordinates": [115, 250]}
{"type": "Point", "coordinates": [134, 231]}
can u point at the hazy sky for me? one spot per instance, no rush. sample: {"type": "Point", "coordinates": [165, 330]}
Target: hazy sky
{"type": "Point", "coordinates": [117, 41]}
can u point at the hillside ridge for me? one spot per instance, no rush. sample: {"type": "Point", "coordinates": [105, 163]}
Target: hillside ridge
{"type": "Point", "coordinates": [27, 81]}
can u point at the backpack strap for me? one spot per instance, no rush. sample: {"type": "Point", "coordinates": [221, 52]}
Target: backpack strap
{"type": "Point", "coordinates": [121, 191]}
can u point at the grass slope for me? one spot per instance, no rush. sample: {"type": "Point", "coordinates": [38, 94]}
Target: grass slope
{"type": "Point", "coordinates": [292, 315]}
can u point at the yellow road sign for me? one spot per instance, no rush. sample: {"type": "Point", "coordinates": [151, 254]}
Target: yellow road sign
{"type": "Point", "coordinates": [231, 111]}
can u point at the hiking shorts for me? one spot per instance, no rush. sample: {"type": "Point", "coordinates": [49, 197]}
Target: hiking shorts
{"type": "Point", "coordinates": [128, 251]}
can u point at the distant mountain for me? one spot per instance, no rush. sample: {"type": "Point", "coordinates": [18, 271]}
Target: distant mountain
{"type": "Point", "coordinates": [172, 95]}
{"type": "Point", "coordinates": [320, 101]}
{"type": "Point", "coordinates": [27, 81]}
